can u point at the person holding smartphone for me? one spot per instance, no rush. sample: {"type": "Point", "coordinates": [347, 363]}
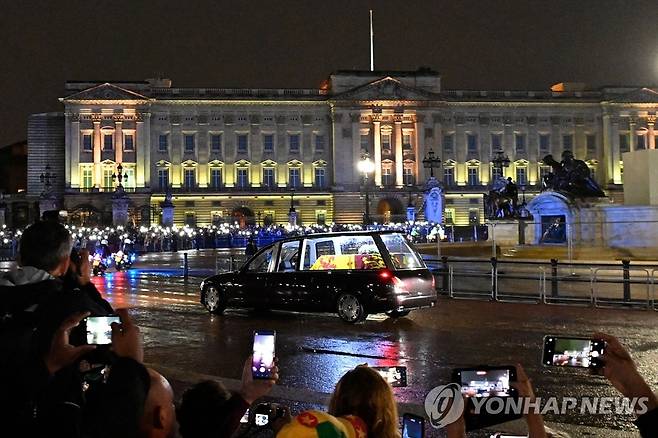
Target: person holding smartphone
{"type": "Point", "coordinates": [535, 422]}
{"type": "Point", "coordinates": [620, 370]}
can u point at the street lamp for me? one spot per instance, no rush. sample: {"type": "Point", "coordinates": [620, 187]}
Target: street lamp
{"type": "Point", "coordinates": [366, 167]}
{"type": "Point", "coordinates": [292, 213]}
{"type": "Point", "coordinates": [45, 178]}
{"type": "Point", "coordinates": [431, 162]}
{"type": "Point", "coordinates": [500, 160]}
{"type": "Point", "coordinates": [119, 177]}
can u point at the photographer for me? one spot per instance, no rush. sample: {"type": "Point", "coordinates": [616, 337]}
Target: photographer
{"type": "Point", "coordinates": [35, 300]}
{"type": "Point", "coordinates": [208, 409]}
{"type": "Point", "coordinates": [619, 368]}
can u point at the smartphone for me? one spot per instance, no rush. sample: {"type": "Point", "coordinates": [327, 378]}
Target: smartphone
{"type": "Point", "coordinates": [486, 381]}
{"type": "Point", "coordinates": [395, 376]}
{"type": "Point", "coordinates": [99, 329]}
{"type": "Point", "coordinates": [264, 349]}
{"type": "Point", "coordinates": [413, 426]}
{"type": "Point", "coordinates": [562, 351]}
{"type": "Point", "coordinates": [505, 435]}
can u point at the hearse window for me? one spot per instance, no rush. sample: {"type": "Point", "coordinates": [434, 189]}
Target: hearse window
{"type": "Point", "coordinates": [262, 261]}
{"type": "Point", "coordinates": [289, 256]}
{"type": "Point", "coordinates": [343, 253]}
{"type": "Point", "coordinates": [402, 256]}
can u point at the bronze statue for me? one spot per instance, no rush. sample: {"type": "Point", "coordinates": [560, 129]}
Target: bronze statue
{"type": "Point", "coordinates": [571, 177]}
{"type": "Point", "coordinates": [502, 200]}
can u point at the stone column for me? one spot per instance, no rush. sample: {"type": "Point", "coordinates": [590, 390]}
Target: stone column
{"type": "Point", "coordinates": [398, 151]}
{"type": "Point", "coordinates": [419, 145]}
{"type": "Point", "coordinates": [146, 148]}
{"type": "Point", "coordinates": [632, 141]}
{"type": "Point", "coordinates": [651, 120]}
{"type": "Point", "coordinates": [73, 176]}
{"type": "Point", "coordinates": [98, 175]}
{"type": "Point", "coordinates": [118, 142]}
{"type": "Point", "coordinates": [140, 148]}
{"type": "Point", "coordinates": [378, 151]}
{"type": "Point", "coordinates": [356, 147]}
{"type": "Point", "coordinates": [616, 154]}
{"type": "Point", "coordinates": [120, 208]}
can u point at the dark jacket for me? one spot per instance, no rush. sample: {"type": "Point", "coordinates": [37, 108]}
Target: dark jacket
{"type": "Point", "coordinates": [648, 424]}
{"type": "Point", "coordinates": [33, 305]}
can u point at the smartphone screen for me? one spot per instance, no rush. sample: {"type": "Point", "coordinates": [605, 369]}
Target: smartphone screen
{"type": "Point", "coordinates": [261, 419]}
{"type": "Point", "coordinates": [504, 435]}
{"type": "Point", "coordinates": [485, 381]}
{"type": "Point", "coordinates": [572, 352]}
{"type": "Point", "coordinates": [263, 361]}
{"type": "Point", "coordinates": [395, 376]}
{"type": "Point", "coordinates": [99, 329]}
{"type": "Point", "coordinates": [413, 426]}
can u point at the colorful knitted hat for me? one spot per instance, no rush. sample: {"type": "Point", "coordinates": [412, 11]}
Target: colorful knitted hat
{"type": "Point", "coordinates": [317, 424]}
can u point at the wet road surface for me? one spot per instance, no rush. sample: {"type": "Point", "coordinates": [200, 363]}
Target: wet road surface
{"type": "Point", "coordinates": [315, 350]}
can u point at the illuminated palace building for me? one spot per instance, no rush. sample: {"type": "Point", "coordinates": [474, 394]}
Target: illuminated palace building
{"type": "Point", "coordinates": [230, 154]}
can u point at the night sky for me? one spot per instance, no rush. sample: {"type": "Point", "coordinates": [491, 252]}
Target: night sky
{"type": "Point", "coordinates": [485, 44]}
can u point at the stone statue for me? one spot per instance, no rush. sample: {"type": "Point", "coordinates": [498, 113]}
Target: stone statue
{"type": "Point", "coordinates": [571, 177]}
{"type": "Point", "coordinates": [502, 200]}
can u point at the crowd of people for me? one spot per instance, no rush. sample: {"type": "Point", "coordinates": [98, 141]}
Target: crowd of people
{"type": "Point", "coordinates": [55, 385]}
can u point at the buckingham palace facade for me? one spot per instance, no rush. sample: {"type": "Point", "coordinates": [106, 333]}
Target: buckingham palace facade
{"type": "Point", "coordinates": [229, 153]}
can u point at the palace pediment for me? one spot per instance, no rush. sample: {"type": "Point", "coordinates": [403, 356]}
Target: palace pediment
{"type": "Point", "coordinates": [106, 92]}
{"type": "Point", "coordinates": [387, 88]}
{"type": "Point", "coordinates": [641, 95]}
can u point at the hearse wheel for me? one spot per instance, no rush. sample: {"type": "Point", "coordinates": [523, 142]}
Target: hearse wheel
{"type": "Point", "coordinates": [397, 313]}
{"type": "Point", "coordinates": [350, 309]}
{"type": "Point", "coordinates": [213, 299]}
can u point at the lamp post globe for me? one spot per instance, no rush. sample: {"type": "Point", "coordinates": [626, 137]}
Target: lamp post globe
{"type": "Point", "coordinates": [366, 167]}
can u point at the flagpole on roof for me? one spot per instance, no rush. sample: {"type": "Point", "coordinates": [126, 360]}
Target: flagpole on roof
{"type": "Point", "coordinates": [372, 45]}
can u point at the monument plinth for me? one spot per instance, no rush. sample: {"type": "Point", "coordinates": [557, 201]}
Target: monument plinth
{"type": "Point", "coordinates": [641, 177]}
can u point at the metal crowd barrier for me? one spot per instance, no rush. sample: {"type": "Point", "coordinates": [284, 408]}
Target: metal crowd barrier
{"type": "Point", "coordinates": [552, 283]}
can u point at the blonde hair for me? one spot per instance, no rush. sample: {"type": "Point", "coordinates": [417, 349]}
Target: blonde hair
{"type": "Point", "coordinates": [364, 392]}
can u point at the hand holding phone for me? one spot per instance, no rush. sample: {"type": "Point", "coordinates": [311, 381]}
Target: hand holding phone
{"type": "Point", "coordinates": [413, 426]}
{"type": "Point", "coordinates": [575, 352]}
{"type": "Point", "coordinates": [99, 329]}
{"type": "Point", "coordinates": [263, 356]}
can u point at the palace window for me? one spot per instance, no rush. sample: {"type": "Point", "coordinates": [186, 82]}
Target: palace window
{"type": "Point", "coordinates": [624, 144]}
{"type": "Point", "coordinates": [496, 172]}
{"type": "Point", "coordinates": [190, 219]}
{"type": "Point", "coordinates": [163, 143]}
{"type": "Point", "coordinates": [128, 142]}
{"type": "Point", "coordinates": [449, 176]}
{"type": "Point", "coordinates": [216, 177]}
{"type": "Point", "coordinates": [87, 177]}
{"type": "Point", "coordinates": [544, 144]}
{"type": "Point", "coordinates": [641, 142]}
{"type": "Point", "coordinates": [190, 178]}
{"type": "Point", "coordinates": [216, 143]}
{"type": "Point", "coordinates": [567, 142]}
{"type": "Point", "coordinates": [473, 176]}
{"type": "Point", "coordinates": [294, 143]}
{"type": "Point", "coordinates": [320, 217]}
{"type": "Point", "coordinates": [387, 177]}
{"type": "Point", "coordinates": [294, 179]}
{"type": "Point", "coordinates": [189, 143]}
{"type": "Point", "coordinates": [591, 145]}
{"type": "Point", "coordinates": [268, 177]}
{"type": "Point", "coordinates": [406, 142]}
{"type": "Point", "coordinates": [320, 181]}
{"type": "Point", "coordinates": [449, 144]}
{"type": "Point", "coordinates": [108, 180]}
{"type": "Point", "coordinates": [268, 142]}
{"type": "Point", "coordinates": [386, 142]}
{"type": "Point", "coordinates": [522, 175]}
{"type": "Point", "coordinates": [319, 143]}
{"type": "Point", "coordinates": [163, 179]}
{"type": "Point", "coordinates": [243, 143]}
{"type": "Point", "coordinates": [472, 144]}
{"type": "Point", "coordinates": [449, 216]}
{"type": "Point", "coordinates": [108, 142]}
{"type": "Point", "coordinates": [243, 177]}
{"type": "Point", "coordinates": [365, 142]}
{"type": "Point", "coordinates": [87, 144]}
{"type": "Point", "coordinates": [496, 142]}
{"type": "Point", "coordinates": [519, 140]}
{"type": "Point", "coordinates": [408, 176]}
